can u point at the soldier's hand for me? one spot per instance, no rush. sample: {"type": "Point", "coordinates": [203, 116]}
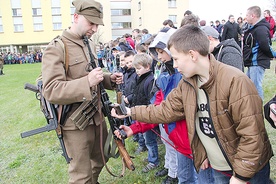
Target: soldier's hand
{"type": "Point", "coordinates": [117, 78]}
{"type": "Point", "coordinates": [95, 76]}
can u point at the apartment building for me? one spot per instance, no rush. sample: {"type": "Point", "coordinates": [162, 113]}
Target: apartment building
{"type": "Point", "coordinates": [30, 24]}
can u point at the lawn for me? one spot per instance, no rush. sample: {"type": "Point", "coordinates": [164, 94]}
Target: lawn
{"type": "Point", "coordinates": [38, 159]}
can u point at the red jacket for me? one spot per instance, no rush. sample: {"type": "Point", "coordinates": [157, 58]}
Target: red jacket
{"type": "Point", "coordinates": [177, 131]}
{"type": "Point", "coordinates": [271, 21]}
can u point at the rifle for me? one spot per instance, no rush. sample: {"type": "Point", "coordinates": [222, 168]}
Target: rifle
{"type": "Point", "coordinates": [106, 109]}
{"type": "Point", "coordinates": [119, 94]}
{"type": "Point", "coordinates": [50, 113]}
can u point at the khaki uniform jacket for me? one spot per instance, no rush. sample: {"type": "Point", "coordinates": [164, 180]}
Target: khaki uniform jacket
{"type": "Point", "coordinates": [236, 113]}
{"type": "Point", "coordinates": [73, 87]}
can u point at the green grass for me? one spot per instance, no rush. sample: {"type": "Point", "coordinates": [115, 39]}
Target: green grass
{"type": "Point", "coordinates": [37, 159]}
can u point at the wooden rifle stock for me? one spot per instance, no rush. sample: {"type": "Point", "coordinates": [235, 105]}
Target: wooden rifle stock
{"type": "Point", "coordinates": [124, 154]}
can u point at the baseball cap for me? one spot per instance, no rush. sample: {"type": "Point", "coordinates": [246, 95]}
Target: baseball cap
{"type": "Point", "coordinates": [90, 9]}
{"type": "Point", "coordinates": [210, 31]}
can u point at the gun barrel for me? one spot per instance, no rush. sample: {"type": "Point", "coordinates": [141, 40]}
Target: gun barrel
{"type": "Point", "coordinates": [31, 87]}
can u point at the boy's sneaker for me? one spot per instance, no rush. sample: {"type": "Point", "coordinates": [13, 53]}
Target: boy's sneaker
{"type": "Point", "coordinates": [162, 172]}
{"type": "Point", "coordinates": [170, 180]}
{"type": "Point", "coordinates": [140, 149]}
{"type": "Point", "coordinates": [149, 167]}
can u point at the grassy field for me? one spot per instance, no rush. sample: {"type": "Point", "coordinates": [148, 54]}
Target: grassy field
{"type": "Point", "coordinates": [38, 159]}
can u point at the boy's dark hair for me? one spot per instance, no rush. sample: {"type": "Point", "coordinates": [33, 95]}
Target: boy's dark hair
{"type": "Point", "coordinates": [187, 12]}
{"type": "Point", "coordinates": [190, 19]}
{"type": "Point", "coordinates": [129, 53]}
{"type": "Point", "coordinates": [188, 38]}
{"type": "Point", "coordinates": [168, 22]}
{"type": "Point", "coordinates": [140, 48]}
{"type": "Point", "coordinates": [136, 30]}
{"type": "Point", "coordinates": [145, 31]}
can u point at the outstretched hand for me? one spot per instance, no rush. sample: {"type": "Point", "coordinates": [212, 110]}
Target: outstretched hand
{"type": "Point", "coordinates": [127, 130]}
{"type": "Point", "coordinates": [116, 115]}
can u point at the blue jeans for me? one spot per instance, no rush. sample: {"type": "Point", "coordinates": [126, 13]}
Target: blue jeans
{"type": "Point", "coordinates": [186, 172]}
{"type": "Point", "coordinates": [151, 144]}
{"type": "Point", "coordinates": [260, 177]}
{"type": "Point", "coordinates": [256, 74]}
{"type": "Point", "coordinates": [206, 176]}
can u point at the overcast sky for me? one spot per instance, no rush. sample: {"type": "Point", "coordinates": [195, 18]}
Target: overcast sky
{"type": "Point", "coordinates": [221, 9]}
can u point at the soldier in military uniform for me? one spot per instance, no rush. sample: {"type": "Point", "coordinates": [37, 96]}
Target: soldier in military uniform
{"type": "Point", "coordinates": [76, 86]}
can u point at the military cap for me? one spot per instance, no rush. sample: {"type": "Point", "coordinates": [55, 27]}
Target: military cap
{"type": "Point", "coordinates": [90, 9]}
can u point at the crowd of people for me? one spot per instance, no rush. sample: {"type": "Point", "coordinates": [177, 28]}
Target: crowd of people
{"type": "Point", "coordinates": [186, 84]}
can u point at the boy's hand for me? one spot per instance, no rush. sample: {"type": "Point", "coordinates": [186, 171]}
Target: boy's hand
{"type": "Point", "coordinates": [205, 164]}
{"type": "Point", "coordinates": [126, 100]}
{"type": "Point", "coordinates": [127, 130]}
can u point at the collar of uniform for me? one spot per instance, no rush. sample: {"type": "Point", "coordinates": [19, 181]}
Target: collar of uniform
{"type": "Point", "coordinates": [72, 37]}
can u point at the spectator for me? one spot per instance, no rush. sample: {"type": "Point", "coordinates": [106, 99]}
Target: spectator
{"type": "Point", "coordinates": [187, 12]}
{"type": "Point", "coordinates": [227, 51]}
{"type": "Point", "coordinates": [257, 52]}
{"type": "Point", "coordinates": [1, 64]}
{"type": "Point", "coordinates": [168, 23]}
{"type": "Point", "coordinates": [202, 23]}
{"type": "Point", "coordinates": [190, 19]}
{"type": "Point", "coordinates": [271, 21]}
{"type": "Point", "coordinates": [231, 30]}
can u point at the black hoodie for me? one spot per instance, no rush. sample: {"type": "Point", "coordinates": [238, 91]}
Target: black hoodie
{"type": "Point", "coordinates": [256, 48]}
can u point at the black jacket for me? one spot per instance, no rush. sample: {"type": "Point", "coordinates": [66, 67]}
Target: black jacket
{"type": "Point", "coordinates": [142, 91]}
{"type": "Point", "coordinates": [256, 45]}
{"type": "Point", "coordinates": [130, 81]}
{"type": "Point", "coordinates": [231, 30]}
{"type": "Point", "coordinates": [267, 111]}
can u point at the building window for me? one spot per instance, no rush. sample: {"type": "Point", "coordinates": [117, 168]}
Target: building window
{"type": "Point", "coordinates": [120, 12]}
{"type": "Point", "coordinates": [140, 21]}
{"type": "Point", "coordinates": [173, 18]}
{"type": "Point", "coordinates": [37, 12]}
{"type": "Point", "coordinates": [56, 22]}
{"type": "Point", "coordinates": [172, 3]}
{"type": "Point", "coordinates": [139, 5]}
{"type": "Point", "coordinates": [18, 24]}
{"type": "Point", "coordinates": [56, 11]}
{"type": "Point", "coordinates": [38, 26]}
{"type": "Point", "coordinates": [121, 25]}
{"type": "Point", "coordinates": [16, 12]}
{"type": "Point", "coordinates": [56, 15]}
{"type": "Point", "coordinates": [1, 25]}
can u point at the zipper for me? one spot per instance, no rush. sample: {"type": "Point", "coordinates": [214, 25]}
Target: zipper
{"type": "Point", "coordinates": [215, 133]}
{"type": "Point", "coordinates": [194, 117]}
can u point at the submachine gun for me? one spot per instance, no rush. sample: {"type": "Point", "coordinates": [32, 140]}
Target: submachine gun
{"type": "Point", "coordinates": [53, 114]}
{"type": "Point", "coordinates": [106, 110]}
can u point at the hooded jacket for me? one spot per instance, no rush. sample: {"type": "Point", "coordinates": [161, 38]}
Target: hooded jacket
{"type": "Point", "coordinates": [256, 47]}
{"type": "Point", "coordinates": [229, 52]}
{"type": "Point", "coordinates": [235, 110]}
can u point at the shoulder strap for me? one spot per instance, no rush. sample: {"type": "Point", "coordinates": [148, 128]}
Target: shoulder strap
{"type": "Point", "coordinates": [65, 51]}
